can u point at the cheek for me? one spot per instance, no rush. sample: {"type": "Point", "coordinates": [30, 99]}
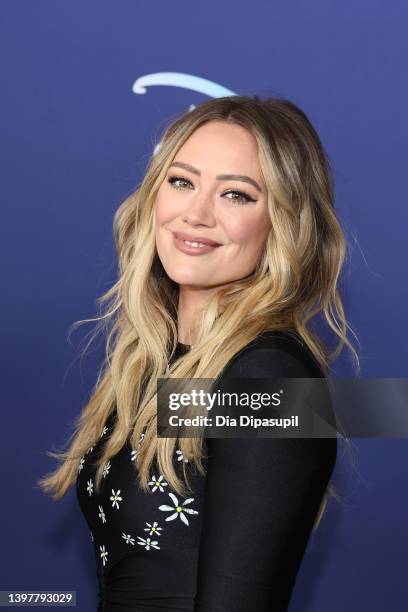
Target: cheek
{"type": "Point", "coordinates": [248, 229]}
{"type": "Point", "coordinates": [160, 210]}
{"type": "Point", "coordinates": [167, 206]}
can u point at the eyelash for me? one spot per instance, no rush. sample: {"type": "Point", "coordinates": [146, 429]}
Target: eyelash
{"type": "Point", "coordinates": [243, 199]}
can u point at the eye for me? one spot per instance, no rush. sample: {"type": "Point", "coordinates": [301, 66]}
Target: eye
{"type": "Point", "coordinates": [173, 180]}
{"type": "Point", "coordinates": [243, 198]}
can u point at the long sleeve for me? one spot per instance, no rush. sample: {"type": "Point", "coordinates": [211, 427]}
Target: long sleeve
{"type": "Point", "coordinates": [262, 497]}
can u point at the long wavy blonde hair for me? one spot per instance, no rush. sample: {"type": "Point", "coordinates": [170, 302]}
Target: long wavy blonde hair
{"type": "Point", "coordinates": [296, 280]}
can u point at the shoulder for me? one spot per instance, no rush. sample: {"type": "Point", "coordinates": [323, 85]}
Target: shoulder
{"type": "Point", "coordinates": [274, 353]}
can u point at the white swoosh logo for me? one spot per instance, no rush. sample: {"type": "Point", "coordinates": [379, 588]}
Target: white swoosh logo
{"type": "Point", "coordinates": [180, 79]}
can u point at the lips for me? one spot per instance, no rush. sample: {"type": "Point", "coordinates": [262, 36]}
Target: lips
{"type": "Point", "coordinates": [200, 239]}
{"type": "Point", "coordinates": [193, 247]}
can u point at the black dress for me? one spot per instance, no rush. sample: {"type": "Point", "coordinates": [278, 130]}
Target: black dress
{"type": "Point", "coordinates": [236, 543]}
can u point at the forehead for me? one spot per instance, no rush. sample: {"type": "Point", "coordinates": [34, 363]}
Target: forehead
{"type": "Point", "coordinates": [221, 147]}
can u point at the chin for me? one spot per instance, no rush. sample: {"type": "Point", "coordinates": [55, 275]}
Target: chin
{"type": "Point", "coordinates": [185, 278]}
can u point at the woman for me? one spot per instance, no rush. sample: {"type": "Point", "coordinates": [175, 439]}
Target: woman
{"type": "Point", "coordinates": [226, 251]}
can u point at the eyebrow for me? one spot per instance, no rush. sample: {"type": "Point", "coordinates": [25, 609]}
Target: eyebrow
{"type": "Point", "coordinates": [221, 177]}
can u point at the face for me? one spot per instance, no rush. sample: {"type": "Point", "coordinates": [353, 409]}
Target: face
{"type": "Point", "coordinates": [198, 201]}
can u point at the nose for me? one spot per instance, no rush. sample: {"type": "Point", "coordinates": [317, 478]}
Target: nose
{"type": "Point", "coordinates": [199, 211]}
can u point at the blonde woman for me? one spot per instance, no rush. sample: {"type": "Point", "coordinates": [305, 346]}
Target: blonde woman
{"type": "Point", "coordinates": [226, 251]}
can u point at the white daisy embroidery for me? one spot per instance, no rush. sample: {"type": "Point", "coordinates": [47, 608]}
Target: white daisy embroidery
{"type": "Point", "coordinates": [81, 464]}
{"type": "Point", "coordinates": [134, 452]}
{"type": "Point", "coordinates": [148, 543]}
{"type": "Point", "coordinates": [158, 483]}
{"type": "Point", "coordinates": [106, 469]}
{"type": "Point", "coordinates": [104, 554]}
{"type": "Point", "coordinates": [102, 514]}
{"type": "Point", "coordinates": [128, 539]}
{"type": "Point", "coordinates": [179, 510]}
{"type": "Point", "coordinates": [153, 529]}
{"type": "Point", "coordinates": [180, 456]}
{"type": "Point", "coordinates": [104, 431]}
{"type": "Point", "coordinates": [115, 498]}
{"type": "Point", "coordinates": [89, 488]}
{"type": "Point", "coordinates": [89, 450]}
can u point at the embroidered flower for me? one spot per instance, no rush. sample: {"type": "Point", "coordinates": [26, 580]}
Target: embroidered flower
{"type": "Point", "coordinates": [153, 529]}
{"type": "Point", "coordinates": [104, 431]}
{"type": "Point", "coordinates": [102, 514]}
{"type": "Point", "coordinates": [115, 498]}
{"type": "Point", "coordinates": [134, 452]}
{"type": "Point", "coordinates": [89, 488]}
{"type": "Point", "coordinates": [158, 483]}
{"type": "Point", "coordinates": [89, 450]}
{"type": "Point", "coordinates": [179, 510]}
{"type": "Point", "coordinates": [104, 554]}
{"type": "Point", "coordinates": [81, 464]}
{"type": "Point", "coordinates": [180, 456]}
{"type": "Point", "coordinates": [128, 539]}
{"type": "Point", "coordinates": [106, 469]}
{"type": "Point", "coordinates": [148, 543]}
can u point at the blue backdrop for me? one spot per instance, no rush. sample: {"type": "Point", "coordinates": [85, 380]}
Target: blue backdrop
{"type": "Point", "coordinates": [87, 88]}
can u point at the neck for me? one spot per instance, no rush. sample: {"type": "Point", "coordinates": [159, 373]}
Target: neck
{"type": "Point", "coordinates": [192, 303]}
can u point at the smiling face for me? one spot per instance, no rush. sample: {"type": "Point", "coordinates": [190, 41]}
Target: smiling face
{"type": "Point", "coordinates": [197, 200]}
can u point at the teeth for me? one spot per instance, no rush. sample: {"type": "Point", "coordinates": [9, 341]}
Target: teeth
{"type": "Point", "coordinates": [194, 244]}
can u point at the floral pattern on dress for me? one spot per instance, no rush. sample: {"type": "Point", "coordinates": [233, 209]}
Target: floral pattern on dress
{"type": "Point", "coordinates": [135, 451]}
{"type": "Point", "coordinates": [104, 554]}
{"type": "Point", "coordinates": [179, 509]}
{"type": "Point", "coordinates": [158, 483]}
{"type": "Point", "coordinates": [106, 469]}
{"type": "Point", "coordinates": [81, 463]}
{"type": "Point", "coordinates": [102, 514]}
{"type": "Point", "coordinates": [152, 530]}
{"type": "Point", "coordinates": [115, 498]}
{"type": "Point", "coordinates": [180, 456]}
{"type": "Point", "coordinates": [128, 538]}
{"type": "Point", "coordinates": [89, 488]}
{"type": "Point", "coordinates": [148, 543]}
